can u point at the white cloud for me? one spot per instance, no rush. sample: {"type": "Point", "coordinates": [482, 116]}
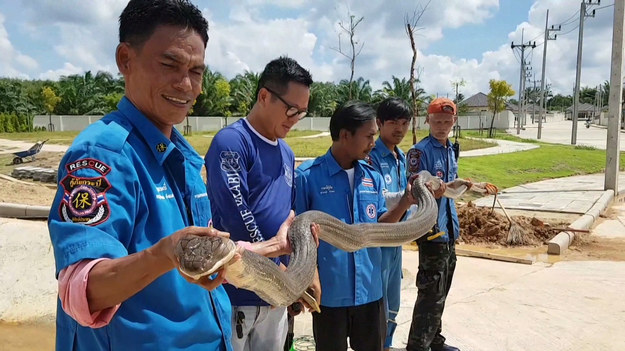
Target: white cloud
{"type": "Point", "coordinates": [67, 70]}
{"type": "Point", "coordinates": [11, 57]}
{"type": "Point", "coordinates": [245, 35]}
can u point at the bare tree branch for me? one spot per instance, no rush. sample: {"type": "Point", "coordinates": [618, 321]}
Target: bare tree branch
{"type": "Point", "coordinates": [411, 28]}
{"type": "Point", "coordinates": [355, 48]}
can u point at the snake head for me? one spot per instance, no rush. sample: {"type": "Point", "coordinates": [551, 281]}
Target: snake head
{"type": "Point", "coordinates": [203, 255]}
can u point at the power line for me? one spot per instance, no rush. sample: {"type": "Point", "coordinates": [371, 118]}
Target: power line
{"type": "Point", "coordinates": [574, 28]}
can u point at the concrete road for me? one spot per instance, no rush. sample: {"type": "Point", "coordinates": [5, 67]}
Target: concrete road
{"type": "Point", "coordinates": [506, 306]}
{"type": "Point", "coordinates": [560, 133]}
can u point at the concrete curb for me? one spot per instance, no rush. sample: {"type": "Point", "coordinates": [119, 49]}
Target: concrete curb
{"type": "Point", "coordinates": [10, 210]}
{"type": "Point", "coordinates": [559, 243]}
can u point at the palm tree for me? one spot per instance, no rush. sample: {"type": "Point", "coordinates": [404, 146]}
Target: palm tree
{"type": "Point", "coordinates": [214, 100]}
{"type": "Point", "coordinates": [360, 90]}
{"type": "Point", "coordinates": [323, 98]}
{"type": "Point", "coordinates": [243, 92]}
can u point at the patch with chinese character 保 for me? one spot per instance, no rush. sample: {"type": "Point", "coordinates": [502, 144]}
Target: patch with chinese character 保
{"type": "Point", "coordinates": [84, 200]}
{"type": "Point", "coordinates": [371, 211]}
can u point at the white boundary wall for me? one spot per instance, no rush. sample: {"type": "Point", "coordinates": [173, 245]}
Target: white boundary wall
{"type": "Point", "coordinates": [503, 120]}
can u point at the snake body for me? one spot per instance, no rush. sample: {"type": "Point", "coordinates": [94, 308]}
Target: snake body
{"type": "Point", "coordinates": [203, 255]}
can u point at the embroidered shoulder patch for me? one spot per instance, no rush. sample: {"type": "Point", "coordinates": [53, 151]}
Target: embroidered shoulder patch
{"type": "Point", "coordinates": [84, 200]}
{"type": "Point", "coordinates": [90, 163]}
{"type": "Point", "coordinates": [413, 157]}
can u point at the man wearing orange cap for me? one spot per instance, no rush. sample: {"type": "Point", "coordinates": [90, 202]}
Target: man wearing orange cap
{"type": "Point", "coordinates": [437, 255]}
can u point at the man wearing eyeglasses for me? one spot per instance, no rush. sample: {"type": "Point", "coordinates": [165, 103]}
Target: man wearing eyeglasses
{"type": "Point", "coordinates": [250, 183]}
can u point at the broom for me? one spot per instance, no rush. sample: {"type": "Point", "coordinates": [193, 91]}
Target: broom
{"type": "Point", "coordinates": [516, 233]}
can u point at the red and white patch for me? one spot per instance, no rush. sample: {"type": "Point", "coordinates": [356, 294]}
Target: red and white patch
{"type": "Point", "coordinates": [368, 182]}
{"type": "Point", "coordinates": [371, 211]}
{"type": "Point", "coordinates": [439, 174]}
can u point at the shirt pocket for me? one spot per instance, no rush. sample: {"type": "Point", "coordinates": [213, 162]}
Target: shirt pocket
{"type": "Point", "coordinates": [368, 208]}
{"type": "Point", "coordinates": [201, 211]}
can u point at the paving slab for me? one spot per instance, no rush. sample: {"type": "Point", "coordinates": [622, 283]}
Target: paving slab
{"type": "Point", "coordinates": [575, 194]}
{"type": "Point", "coordinates": [506, 306]}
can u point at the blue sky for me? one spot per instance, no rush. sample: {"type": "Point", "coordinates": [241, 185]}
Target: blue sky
{"type": "Point", "coordinates": [457, 39]}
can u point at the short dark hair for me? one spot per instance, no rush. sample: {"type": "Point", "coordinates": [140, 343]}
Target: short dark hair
{"type": "Point", "coordinates": [350, 116]}
{"type": "Point", "coordinates": [394, 108]}
{"type": "Point", "coordinates": [279, 72]}
{"type": "Point", "coordinates": [141, 17]}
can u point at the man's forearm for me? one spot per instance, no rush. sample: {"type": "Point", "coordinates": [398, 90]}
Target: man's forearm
{"type": "Point", "coordinates": [268, 248]}
{"type": "Point", "coordinates": [395, 214]}
{"type": "Point", "coordinates": [114, 281]}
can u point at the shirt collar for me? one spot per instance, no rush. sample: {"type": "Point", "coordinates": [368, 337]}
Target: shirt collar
{"type": "Point", "coordinates": [384, 150]}
{"type": "Point", "coordinates": [437, 143]}
{"type": "Point", "coordinates": [160, 145]}
{"type": "Point", "coordinates": [333, 167]}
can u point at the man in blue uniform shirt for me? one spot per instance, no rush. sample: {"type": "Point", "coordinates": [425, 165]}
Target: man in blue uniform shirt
{"type": "Point", "coordinates": [129, 189]}
{"type": "Point", "coordinates": [250, 181]}
{"type": "Point", "coordinates": [437, 257]}
{"type": "Point", "coordinates": [393, 118]}
{"type": "Point", "coordinates": [343, 185]}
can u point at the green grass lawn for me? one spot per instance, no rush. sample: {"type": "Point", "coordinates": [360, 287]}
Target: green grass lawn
{"type": "Point", "coordinates": [504, 170]}
{"type": "Point", "coordinates": [546, 162]}
{"type": "Point", "coordinates": [62, 138]}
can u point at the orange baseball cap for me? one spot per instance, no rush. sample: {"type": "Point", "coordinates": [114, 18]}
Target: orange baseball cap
{"type": "Point", "coordinates": [442, 105]}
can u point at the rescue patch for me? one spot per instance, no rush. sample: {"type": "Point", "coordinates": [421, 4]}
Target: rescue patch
{"type": "Point", "coordinates": [413, 157]}
{"type": "Point", "coordinates": [89, 163]}
{"type": "Point", "coordinates": [230, 161]}
{"type": "Point", "coordinates": [84, 200]}
{"type": "Point", "coordinates": [371, 211]}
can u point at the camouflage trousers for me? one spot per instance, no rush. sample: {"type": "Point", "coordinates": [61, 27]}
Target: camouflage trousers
{"type": "Point", "coordinates": [437, 262]}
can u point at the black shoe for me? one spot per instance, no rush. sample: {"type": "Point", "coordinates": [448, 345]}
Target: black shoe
{"type": "Point", "coordinates": [443, 347]}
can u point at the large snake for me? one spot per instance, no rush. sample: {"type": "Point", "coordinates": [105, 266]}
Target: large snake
{"type": "Point", "coordinates": [203, 255]}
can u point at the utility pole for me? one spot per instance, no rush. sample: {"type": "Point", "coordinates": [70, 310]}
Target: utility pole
{"type": "Point", "coordinates": [582, 16]}
{"type": "Point", "coordinates": [527, 76]}
{"type": "Point", "coordinates": [461, 83]}
{"type": "Point", "coordinates": [522, 47]}
{"type": "Point", "coordinates": [615, 101]}
{"type": "Point", "coordinates": [534, 99]}
{"type": "Point", "coordinates": [543, 104]}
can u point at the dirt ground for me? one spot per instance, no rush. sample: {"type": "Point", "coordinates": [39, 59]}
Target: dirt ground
{"type": "Point", "coordinates": [479, 226]}
{"type": "Point", "coordinates": [482, 227]}
{"type": "Point", "coordinates": [31, 193]}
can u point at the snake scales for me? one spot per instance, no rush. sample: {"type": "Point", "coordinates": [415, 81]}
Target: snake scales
{"type": "Point", "coordinates": [203, 255]}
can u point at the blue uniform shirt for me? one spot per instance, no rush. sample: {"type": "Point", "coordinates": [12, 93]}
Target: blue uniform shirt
{"type": "Point", "coordinates": [392, 169]}
{"type": "Point", "coordinates": [440, 161]}
{"type": "Point", "coordinates": [123, 187]}
{"type": "Point", "coordinates": [347, 279]}
{"type": "Point", "coordinates": [250, 181]}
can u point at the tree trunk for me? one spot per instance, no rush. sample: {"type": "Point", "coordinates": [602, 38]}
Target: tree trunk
{"type": "Point", "coordinates": [415, 109]}
{"type": "Point", "coordinates": [492, 122]}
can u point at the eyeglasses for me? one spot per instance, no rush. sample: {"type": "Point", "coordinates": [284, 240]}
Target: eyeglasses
{"type": "Point", "coordinates": [291, 111]}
